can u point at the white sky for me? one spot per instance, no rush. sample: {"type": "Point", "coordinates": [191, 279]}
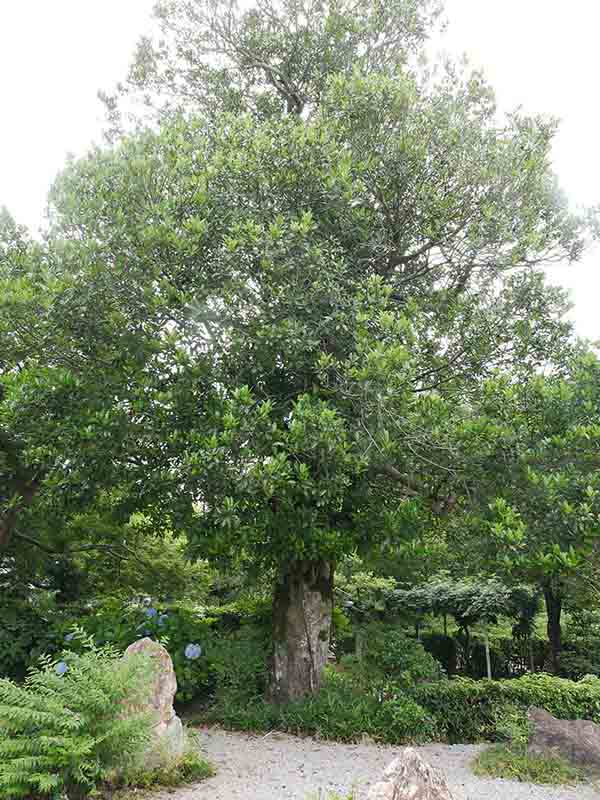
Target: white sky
{"type": "Point", "coordinates": [56, 54]}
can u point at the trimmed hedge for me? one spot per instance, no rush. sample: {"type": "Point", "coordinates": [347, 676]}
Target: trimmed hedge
{"type": "Point", "coordinates": [461, 710]}
{"type": "Point", "coordinates": [467, 710]}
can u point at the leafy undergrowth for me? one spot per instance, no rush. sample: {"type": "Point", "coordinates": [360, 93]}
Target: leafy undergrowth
{"type": "Point", "coordinates": [512, 762]}
{"type": "Point", "coordinates": [190, 768]}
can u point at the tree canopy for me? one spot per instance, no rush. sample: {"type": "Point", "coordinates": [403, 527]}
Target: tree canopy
{"type": "Point", "coordinates": [264, 322]}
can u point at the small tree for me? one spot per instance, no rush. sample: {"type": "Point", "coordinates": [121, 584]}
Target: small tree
{"type": "Point", "coordinates": [473, 601]}
{"type": "Point", "coordinates": [363, 595]}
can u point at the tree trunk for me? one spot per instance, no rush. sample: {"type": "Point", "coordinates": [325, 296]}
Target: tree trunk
{"type": "Point", "coordinates": [302, 612]}
{"type": "Point", "coordinates": [554, 611]}
{"type": "Point", "coordinates": [531, 658]}
{"type": "Point", "coordinates": [359, 644]}
{"type": "Point", "coordinates": [467, 650]}
{"type": "Point", "coordinates": [488, 660]}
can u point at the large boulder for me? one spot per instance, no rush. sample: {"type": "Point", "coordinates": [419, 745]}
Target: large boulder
{"type": "Point", "coordinates": [168, 740]}
{"type": "Point", "coordinates": [577, 741]}
{"type": "Point", "coordinates": [409, 777]}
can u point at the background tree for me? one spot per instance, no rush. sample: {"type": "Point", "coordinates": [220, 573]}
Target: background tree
{"type": "Point", "coordinates": [471, 601]}
{"type": "Point", "coordinates": [541, 464]}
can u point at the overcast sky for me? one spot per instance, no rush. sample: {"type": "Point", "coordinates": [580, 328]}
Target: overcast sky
{"type": "Point", "coordinates": [54, 56]}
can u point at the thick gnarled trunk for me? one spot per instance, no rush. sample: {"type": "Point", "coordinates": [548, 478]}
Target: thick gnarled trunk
{"type": "Point", "coordinates": [302, 612]}
{"type": "Point", "coordinates": [554, 610]}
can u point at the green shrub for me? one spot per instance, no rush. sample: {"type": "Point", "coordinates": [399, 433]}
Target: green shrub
{"type": "Point", "coordinates": [459, 710]}
{"type": "Point", "coordinates": [239, 663]}
{"type": "Point", "coordinates": [230, 653]}
{"type": "Point", "coordinates": [581, 645]}
{"type": "Point", "coordinates": [443, 648]}
{"type": "Point", "coordinates": [190, 768]}
{"type": "Point", "coordinates": [255, 611]}
{"type": "Point", "coordinates": [467, 710]}
{"type": "Point", "coordinates": [515, 764]}
{"type": "Point", "coordinates": [24, 635]}
{"type": "Point", "coordinates": [575, 665]}
{"type": "Point", "coordinates": [342, 634]}
{"type": "Point", "coordinates": [340, 711]}
{"type": "Point", "coordinates": [63, 731]}
{"type": "Point", "coordinates": [389, 654]}
{"type": "Point", "coordinates": [181, 626]}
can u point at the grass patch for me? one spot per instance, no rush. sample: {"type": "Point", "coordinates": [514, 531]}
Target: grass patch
{"type": "Point", "coordinates": [512, 762]}
{"type": "Point", "coordinates": [190, 768]}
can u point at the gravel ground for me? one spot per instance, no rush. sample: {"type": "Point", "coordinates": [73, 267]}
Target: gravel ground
{"type": "Point", "coordinates": [282, 767]}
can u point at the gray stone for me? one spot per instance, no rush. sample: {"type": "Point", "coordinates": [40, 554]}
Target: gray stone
{"type": "Point", "coordinates": [577, 741]}
{"type": "Point", "coordinates": [409, 777]}
{"type": "Point", "coordinates": [168, 733]}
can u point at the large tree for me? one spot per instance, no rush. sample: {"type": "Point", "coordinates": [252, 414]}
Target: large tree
{"type": "Point", "coordinates": [270, 316]}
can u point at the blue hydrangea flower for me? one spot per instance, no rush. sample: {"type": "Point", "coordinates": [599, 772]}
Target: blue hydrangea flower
{"type": "Point", "coordinates": [61, 668]}
{"type": "Point", "coordinates": [69, 637]}
{"type": "Point", "coordinates": [193, 651]}
{"type": "Point", "coordinates": [162, 619]}
{"type": "Point", "coordinates": [151, 612]}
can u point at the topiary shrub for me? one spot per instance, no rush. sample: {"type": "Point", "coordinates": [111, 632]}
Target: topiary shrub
{"type": "Point", "coordinates": [389, 654]}
{"type": "Point", "coordinates": [64, 732]}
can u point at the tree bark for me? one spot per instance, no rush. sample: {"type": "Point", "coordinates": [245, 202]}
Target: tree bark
{"type": "Point", "coordinates": [302, 613]}
{"type": "Point", "coordinates": [553, 601]}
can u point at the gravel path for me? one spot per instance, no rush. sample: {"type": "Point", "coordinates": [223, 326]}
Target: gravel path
{"type": "Point", "coordinates": [282, 767]}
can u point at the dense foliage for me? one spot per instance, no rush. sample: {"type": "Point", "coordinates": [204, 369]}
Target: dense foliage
{"type": "Point", "coordinates": [290, 345]}
{"type": "Point", "coordinates": [460, 710]}
{"type": "Point", "coordinates": [64, 731]}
